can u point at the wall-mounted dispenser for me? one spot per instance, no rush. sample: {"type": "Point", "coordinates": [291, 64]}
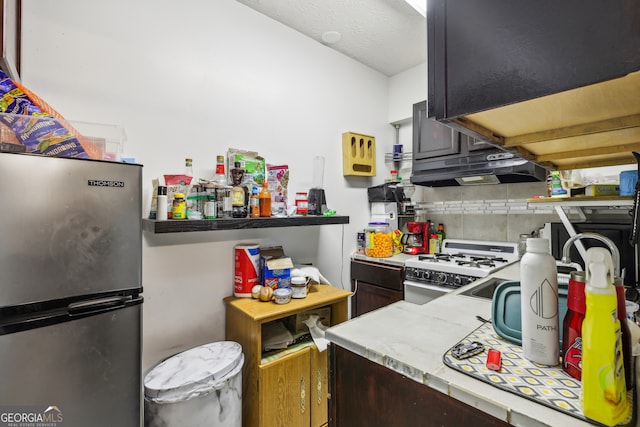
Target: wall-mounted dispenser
{"type": "Point", "coordinates": [358, 154]}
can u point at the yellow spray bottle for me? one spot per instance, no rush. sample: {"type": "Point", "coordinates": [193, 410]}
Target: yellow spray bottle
{"type": "Point", "coordinates": [604, 396]}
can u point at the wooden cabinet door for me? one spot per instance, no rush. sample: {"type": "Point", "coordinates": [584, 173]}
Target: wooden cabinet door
{"type": "Point", "coordinates": [377, 286]}
{"type": "Point", "coordinates": [319, 398]}
{"type": "Point", "coordinates": [284, 391]}
{"type": "Point", "coordinates": [371, 297]}
{"type": "Point", "coordinates": [364, 393]}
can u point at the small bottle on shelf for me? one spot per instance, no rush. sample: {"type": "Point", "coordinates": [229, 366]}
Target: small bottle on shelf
{"type": "Point", "coordinates": [161, 214]}
{"type": "Point", "coordinates": [265, 200]}
{"type": "Point", "coordinates": [220, 177]}
{"type": "Point", "coordinates": [254, 203]}
{"type": "Point", "coordinates": [188, 168]}
{"type": "Point", "coordinates": [239, 193]}
{"type": "Point", "coordinates": [441, 234]}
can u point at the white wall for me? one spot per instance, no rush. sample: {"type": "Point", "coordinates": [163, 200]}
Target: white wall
{"type": "Point", "coordinates": [406, 89]}
{"type": "Point", "coordinates": [191, 79]}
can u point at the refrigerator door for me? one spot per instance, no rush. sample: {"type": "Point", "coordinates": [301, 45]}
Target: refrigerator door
{"type": "Point", "coordinates": [70, 227]}
{"type": "Point", "coordinates": [85, 372]}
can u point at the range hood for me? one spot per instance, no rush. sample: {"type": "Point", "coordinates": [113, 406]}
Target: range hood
{"type": "Point", "coordinates": [558, 83]}
{"type": "Point", "coordinates": [485, 167]}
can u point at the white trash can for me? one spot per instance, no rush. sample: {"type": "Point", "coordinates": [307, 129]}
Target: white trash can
{"type": "Point", "coordinates": [198, 387]}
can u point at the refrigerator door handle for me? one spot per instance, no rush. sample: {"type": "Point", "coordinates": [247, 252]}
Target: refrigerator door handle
{"type": "Point", "coordinates": [97, 305]}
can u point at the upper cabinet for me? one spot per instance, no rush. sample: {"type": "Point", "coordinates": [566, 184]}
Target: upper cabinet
{"type": "Point", "coordinates": [557, 82]}
{"type": "Point", "coordinates": [430, 138]}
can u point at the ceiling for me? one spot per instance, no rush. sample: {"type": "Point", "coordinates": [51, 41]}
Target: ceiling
{"type": "Point", "coordinates": [386, 35]}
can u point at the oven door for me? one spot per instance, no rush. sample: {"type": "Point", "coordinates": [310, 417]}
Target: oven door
{"type": "Point", "coordinates": [421, 293]}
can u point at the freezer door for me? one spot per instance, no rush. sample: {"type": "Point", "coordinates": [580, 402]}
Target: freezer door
{"type": "Point", "coordinates": [86, 371]}
{"type": "Point", "coordinates": [69, 227]}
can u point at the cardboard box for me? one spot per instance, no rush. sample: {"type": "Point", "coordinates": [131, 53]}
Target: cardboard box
{"type": "Point", "coordinates": [602, 190]}
{"type": "Point", "coordinates": [275, 268]}
{"type": "Point", "coordinates": [296, 323]}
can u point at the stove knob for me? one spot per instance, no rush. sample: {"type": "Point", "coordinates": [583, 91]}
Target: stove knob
{"type": "Point", "coordinates": [426, 274]}
{"type": "Point", "coordinates": [457, 281]}
{"type": "Point", "coordinates": [441, 278]}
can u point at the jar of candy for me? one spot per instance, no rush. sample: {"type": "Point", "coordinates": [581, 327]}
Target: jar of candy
{"type": "Point", "coordinates": [378, 240]}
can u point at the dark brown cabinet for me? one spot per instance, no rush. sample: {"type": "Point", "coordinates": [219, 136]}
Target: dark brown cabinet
{"type": "Point", "coordinates": [555, 81]}
{"type": "Point", "coordinates": [518, 51]}
{"type": "Point", "coordinates": [434, 139]}
{"type": "Point", "coordinates": [365, 394]}
{"type": "Point", "coordinates": [374, 286]}
{"type": "Point", "coordinates": [431, 138]}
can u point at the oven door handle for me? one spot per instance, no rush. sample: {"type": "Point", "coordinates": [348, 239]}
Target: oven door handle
{"type": "Point", "coordinates": [422, 285]}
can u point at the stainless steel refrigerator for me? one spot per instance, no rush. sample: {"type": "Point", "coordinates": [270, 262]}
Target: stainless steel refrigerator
{"type": "Point", "coordinates": [70, 291]}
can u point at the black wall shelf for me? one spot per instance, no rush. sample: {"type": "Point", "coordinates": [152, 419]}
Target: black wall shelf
{"type": "Point", "coordinates": [181, 226]}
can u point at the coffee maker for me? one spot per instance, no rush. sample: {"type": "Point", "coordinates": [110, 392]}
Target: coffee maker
{"type": "Point", "coordinates": [413, 240]}
{"type": "Point", "coordinates": [385, 200]}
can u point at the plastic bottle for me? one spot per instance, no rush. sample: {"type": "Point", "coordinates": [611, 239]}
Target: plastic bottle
{"type": "Point", "coordinates": [539, 304]}
{"type": "Point", "coordinates": [220, 177]}
{"type": "Point", "coordinates": [162, 203]}
{"type": "Point", "coordinates": [254, 203]}
{"type": "Point", "coordinates": [572, 326]}
{"type": "Point", "coordinates": [434, 244]}
{"type": "Point", "coordinates": [441, 234]}
{"type": "Point", "coordinates": [557, 190]}
{"type": "Point", "coordinates": [604, 395]}
{"type": "Point", "coordinates": [627, 347]}
{"type": "Point", "coordinates": [265, 200]}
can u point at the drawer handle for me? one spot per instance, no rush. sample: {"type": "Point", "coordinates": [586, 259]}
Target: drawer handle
{"type": "Point", "coordinates": [303, 394]}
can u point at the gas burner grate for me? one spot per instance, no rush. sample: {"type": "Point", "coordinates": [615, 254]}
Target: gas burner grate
{"type": "Point", "coordinates": [479, 261]}
{"type": "Point", "coordinates": [441, 257]}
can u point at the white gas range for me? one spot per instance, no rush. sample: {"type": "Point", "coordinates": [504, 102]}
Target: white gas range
{"type": "Point", "coordinates": [459, 263]}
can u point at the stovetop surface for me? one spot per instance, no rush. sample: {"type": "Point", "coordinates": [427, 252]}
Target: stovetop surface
{"type": "Point", "coordinates": [469, 257]}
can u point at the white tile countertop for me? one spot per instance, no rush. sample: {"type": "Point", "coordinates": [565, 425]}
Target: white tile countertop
{"type": "Point", "coordinates": [411, 340]}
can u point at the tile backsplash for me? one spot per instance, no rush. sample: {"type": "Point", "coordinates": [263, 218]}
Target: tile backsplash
{"type": "Point", "coordinates": [491, 212]}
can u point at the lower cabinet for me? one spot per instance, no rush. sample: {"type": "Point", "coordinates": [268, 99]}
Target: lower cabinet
{"type": "Point", "coordinates": [294, 390]}
{"type": "Point", "coordinates": [364, 394]}
{"type": "Point", "coordinates": [375, 285]}
{"type": "Point", "coordinates": [289, 387]}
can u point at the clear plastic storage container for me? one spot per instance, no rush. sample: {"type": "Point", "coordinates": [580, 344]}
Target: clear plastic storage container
{"type": "Point", "coordinates": [378, 240]}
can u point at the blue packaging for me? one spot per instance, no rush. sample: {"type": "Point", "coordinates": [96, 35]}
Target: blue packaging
{"type": "Point", "coordinates": [628, 180]}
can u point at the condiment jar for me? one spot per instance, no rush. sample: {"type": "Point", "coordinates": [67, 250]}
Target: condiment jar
{"type": "Point", "coordinates": [179, 210]}
{"type": "Point", "coordinates": [378, 240]}
{"type": "Point", "coordinates": [299, 287]}
{"type": "Point", "coordinates": [302, 203]}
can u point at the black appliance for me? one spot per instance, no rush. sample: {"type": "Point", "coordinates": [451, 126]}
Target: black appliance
{"type": "Point", "coordinates": [388, 192]}
{"type": "Point", "coordinates": [317, 201]}
{"type": "Point", "coordinates": [618, 233]}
